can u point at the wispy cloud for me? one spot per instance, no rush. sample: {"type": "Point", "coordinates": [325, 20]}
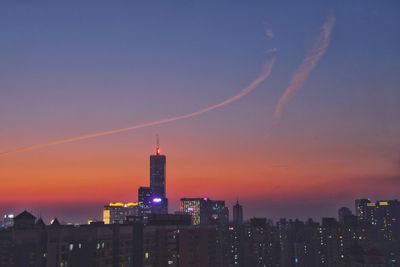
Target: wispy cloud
{"type": "Point", "coordinates": [311, 60]}
{"type": "Point", "coordinates": [268, 31]}
{"type": "Point", "coordinates": [264, 74]}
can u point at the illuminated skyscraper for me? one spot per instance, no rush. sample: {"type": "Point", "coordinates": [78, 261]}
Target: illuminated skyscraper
{"type": "Point", "coordinates": [158, 181]}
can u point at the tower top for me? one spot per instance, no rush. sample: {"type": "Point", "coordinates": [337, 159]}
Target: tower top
{"type": "Point", "coordinates": [157, 145]}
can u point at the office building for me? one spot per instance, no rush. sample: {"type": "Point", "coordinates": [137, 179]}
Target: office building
{"type": "Point", "coordinates": [144, 200]}
{"type": "Point", "coordinates": [158, 181]}
{"type": "Point", "coordinates": [237, 214]}
{"type": "Point", "coordinates": [170, 240]}
{"type": "Point", "coordinates": [205, 211]}
{"type": "Point", "coordinates": [118, 212]}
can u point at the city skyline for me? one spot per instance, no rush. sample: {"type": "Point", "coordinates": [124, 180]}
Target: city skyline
{"type": "Point", "coordinates": [290, 110]}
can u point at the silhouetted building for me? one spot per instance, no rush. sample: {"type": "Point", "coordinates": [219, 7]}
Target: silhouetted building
{"type": "Point", "coordinates": [344, 213]}
{"type": "Point", "coordinates": [364, 212]}
{"type": "Point", "coordinates": [261, 243]}
{"type": "Point", "coordinates": [235, 246]}
{"type": "Point", "coordinates": [360, 257]}
{"type": "Point", "coordinates": [8, 220]}
{"type": "Point", "coordinates": [384, 218]}
{"type": "Point", "coordinates": [170, 240]}
{"type": "Point", "coordinates": [237, 214]}
{"type": "Point", "coordinates": [31, 243]}
{"type": "Point", "coordinates": [158, 182]}
{"type": "Point", "coordinates": [219, 213]}
{"type": "Point", "coordinates": [169, 219]}
{"type": "Point", "coordinates": [144, 200]}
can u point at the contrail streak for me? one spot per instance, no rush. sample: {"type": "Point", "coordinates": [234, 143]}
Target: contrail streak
{"type": "Point", "coordinates": [265, 73]}
{"type": "Point", "coordinates": [310, 61]}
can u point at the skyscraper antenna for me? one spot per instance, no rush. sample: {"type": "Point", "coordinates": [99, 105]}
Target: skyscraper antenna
{"type": "Point", "coordinates": [157, 145]}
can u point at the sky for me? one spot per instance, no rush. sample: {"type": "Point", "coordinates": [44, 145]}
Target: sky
{"type": "Point", "coordinates": [291, 108]}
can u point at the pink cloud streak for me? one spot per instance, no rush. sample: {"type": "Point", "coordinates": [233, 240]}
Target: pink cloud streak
{"type": "Point", "coordinates": [311, 60]}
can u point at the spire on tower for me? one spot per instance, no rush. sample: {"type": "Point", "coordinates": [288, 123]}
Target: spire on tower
{"type": "Point", "coordinates": [157, 145]}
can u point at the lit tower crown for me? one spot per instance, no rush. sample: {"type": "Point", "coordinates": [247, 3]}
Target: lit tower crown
{"type": "Point", "coordinates": [157, 146]}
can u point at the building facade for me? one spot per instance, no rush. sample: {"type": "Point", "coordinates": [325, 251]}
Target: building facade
{"type": "Point", "coordinates": [118, 212]}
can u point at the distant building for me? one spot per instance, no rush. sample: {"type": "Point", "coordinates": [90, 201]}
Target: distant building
{"type": "Point", "coordinates": [170, 240]}
{"type": "Point", "coordinates": [197, 209]}
{"type": "Point", "coordinates": [261, 244]}
{"type": "Point", "coordinates": [118, 212]}
{"type": "Point", "coordinates": [32, 243]}
{"type": "Point", "coordinates": [205, 211]}
{"type": "Point", "coordinates": [344, 213]}
{"type": "Point", "coordinates": [144, 200]}
{"type": "Point", "coordinates": [219, 213]}
{"type": "Point", "coordinates": [384, 217]}
{"type": "Point", "coordinates": [237, 214]}
{"type": "Point", "coordinates": [8, 220]}
{"type": "Point", "coordinates": [158, 182]}
{"type": "Point", "coordinates": [363, 210]}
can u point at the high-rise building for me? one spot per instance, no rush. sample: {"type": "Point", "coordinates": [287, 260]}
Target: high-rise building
{"type": "Point", "coordinates": [362, 207]}
{"type": "Point", "coordinates": [170, 240]}
{"type": "Point", "coordinates": [196, 207]}
{"type": "Point", "coordinates": [219, 213]}
{"type": "Point", "coordinates": [118, 212]}
{"type": "Point", "coordinates": [205, 211]}
{"type": "Point", "coordinates": [343, 213]}
{"type": "Point", "coordinates": [32, 243]}
{"type": "Point", "coordinates": [145, 200]}
{"type": "Point", "coordinates": [158, 181]}
{"type": "Point", "coordinates": [237, 214]}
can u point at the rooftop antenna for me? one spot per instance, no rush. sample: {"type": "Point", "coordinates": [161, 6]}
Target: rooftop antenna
{"type": "Point", "coordinates": [157, 145]}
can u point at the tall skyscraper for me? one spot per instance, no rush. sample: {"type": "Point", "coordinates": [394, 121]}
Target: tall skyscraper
{"type": "Point", "coordinates": [158, 181]}
{"type": "Point", "coordinates": [237, 214]}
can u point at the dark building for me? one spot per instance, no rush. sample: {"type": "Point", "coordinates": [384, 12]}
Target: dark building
{"type": "Point", "coordinates": [219, 213]}
{"type": "Point", "coordinates": [261, 244]}
{"type": "Point", "coordinates": [344, 213]}
{"type": "Point", "coordinates": [32, 243]}
{"type": "Point", "coordinates": [363, 209]}
{"type": "Point", "coordinates": [235, 248]}
{"type": "Point", "coordinates": [237, 214]}
{"type": "Point", "coordinates": [171, 240]}
{"type": "Point", "coordinates": [144, 200]}
{"type": "Point", "coordinates": [383, 220]}
{"type": "Point", "coordinates": [158, 182]}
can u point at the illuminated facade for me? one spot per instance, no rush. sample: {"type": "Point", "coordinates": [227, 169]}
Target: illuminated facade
{"type": "Point", "coordinates": [205, 211]}
{"type": "Point", "coordinates": [193, 206]}
{"type": "Point", "coordinates": [118, 212]}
